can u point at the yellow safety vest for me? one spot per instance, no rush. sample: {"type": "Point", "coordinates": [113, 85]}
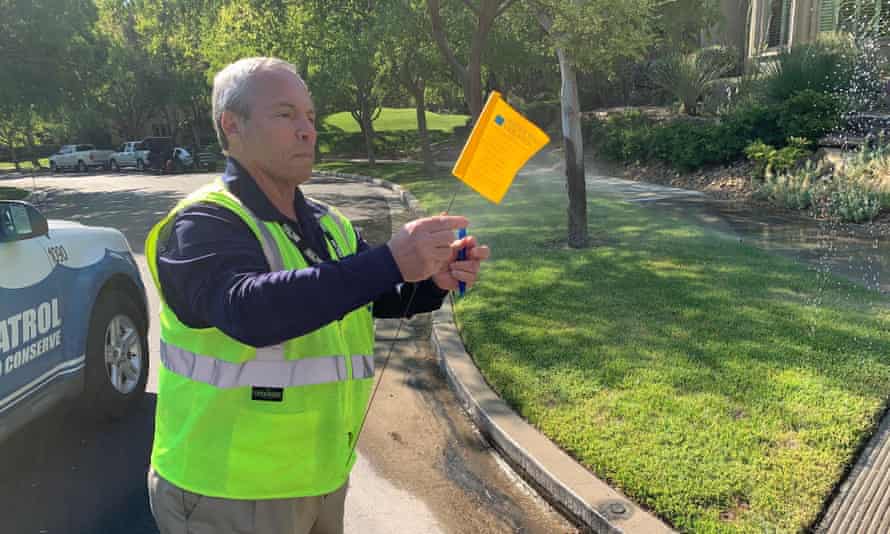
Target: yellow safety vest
{"type": "Point", "coordinates": [241, 422]}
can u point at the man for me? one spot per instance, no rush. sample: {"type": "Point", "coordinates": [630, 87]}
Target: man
{"type": "Point", "coordinates": [267, 332]}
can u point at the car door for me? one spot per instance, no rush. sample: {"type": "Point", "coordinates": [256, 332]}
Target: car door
{"type": "Point", "coordinates": [126, 156]}
{"type": "Point", "coordinates": [31, 322]}
{"type": "Point", "coordinates": [64, 159]}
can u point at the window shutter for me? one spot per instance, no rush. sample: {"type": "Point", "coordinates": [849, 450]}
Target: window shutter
{"type": "Point", "coordinates": [777, 32]}
{"type": "Point", "coordinates": [846, 17]}
{"type": "Point", "coordinates": [828, 15]}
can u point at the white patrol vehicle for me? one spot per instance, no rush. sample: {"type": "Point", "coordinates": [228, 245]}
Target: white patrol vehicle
{"type": "Point", "coordinates": [73, 318]}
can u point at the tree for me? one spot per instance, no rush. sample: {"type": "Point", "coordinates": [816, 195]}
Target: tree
{"type": "Point", "coordinates": [174, 34]}
{"type": "Point", "coordinates": [345, 60]}
{"type": "Point", "coordinates": [48, 57]}
{"type": "Point", "coordinates": [468, 75]}
{"type": "Point", "coordinates": [412, 62]}
{"type": "Point", "coordinates": [594, 32]}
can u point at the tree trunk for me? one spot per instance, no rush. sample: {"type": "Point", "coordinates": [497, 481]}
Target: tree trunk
{"type": "Point", "coordinates": [574, 152]}
{"type": "Point", "coordinates": [470, 77]}
{"type": "Point", "coordinates": [368, 130]}
{"type": "Point", "coordinates": [425, 150]}
{"type": "Point", "coordinates": [29, 142]}
{"type": "Point", "coordinates": [14, 156]}
{"type": "Point", "coordinates": [366, 122]}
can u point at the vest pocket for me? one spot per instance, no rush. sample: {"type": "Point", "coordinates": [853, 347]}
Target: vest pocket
{"type": "Point", "coordinates": [294, 448]}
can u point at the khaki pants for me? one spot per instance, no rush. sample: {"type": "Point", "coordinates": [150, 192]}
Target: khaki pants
{"type": "Point", "coordinates": [178, 511]}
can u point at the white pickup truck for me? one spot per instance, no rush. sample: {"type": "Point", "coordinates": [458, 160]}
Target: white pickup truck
{"type": "Point", "coordinates": [131, 154]}
{"type": "Point", "coordinates": [79, 157]}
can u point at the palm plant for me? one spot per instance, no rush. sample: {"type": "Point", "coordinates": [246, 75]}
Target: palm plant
{"type": "Point", "coordinates": [687, 76]}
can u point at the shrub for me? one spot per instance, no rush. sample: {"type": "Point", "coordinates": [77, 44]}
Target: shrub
{"type": "Point", "coordinates": [625, 137]}
{"type": "Point", "coordinates": [871, 168]}
{"type": "Point", "coordinates": [770, 161]}
{"type": "Point", "coordinates": [751, 121]}
{"type": "Point", "coordinates": [809, 114]}
{"type": "Point", "coordinates": [853, 201]}
{"type": "Point", "coordinates": [688, 144]}
{"type": "Point", "coordinates": [825, 66]}
{"type": "Point", "coordinates": [688, 76]}
{"type": "Point", "coordinates": [795, 190]}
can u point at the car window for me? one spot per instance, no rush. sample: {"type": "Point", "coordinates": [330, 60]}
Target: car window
{"type": "Point", "coordinates": [14, 221]}
{"type": "Point", "coordinates": [84, 147]}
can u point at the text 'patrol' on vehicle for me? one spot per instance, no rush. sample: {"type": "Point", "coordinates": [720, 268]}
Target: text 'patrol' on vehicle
{"type": "Point", "coordinates": [73, 318]}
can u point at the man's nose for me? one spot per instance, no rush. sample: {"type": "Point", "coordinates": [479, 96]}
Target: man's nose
{"type": "Point", "coordinates": [305, 130]}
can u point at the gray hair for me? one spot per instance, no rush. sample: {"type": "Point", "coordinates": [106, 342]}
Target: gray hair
{"type": "Point", "coordinates": [232, 85]}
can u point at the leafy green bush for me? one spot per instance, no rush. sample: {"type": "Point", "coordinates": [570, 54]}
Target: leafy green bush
{"type": "Point", "coordinates": [625, 137]}
{"type": "Point", "coordinates": [809, 114]}
{"type": "Point", "coordinates": [748, 122]}
{"type": "Point", "coordinates": [853, 201]}
{"type": "Point", "coordinates": [856, 193]}
{"type": "Point", "coordinates": [770, 161]}
{"type": "Point", "coordinates": [689, 144]}
{"type": "Point", "coordinates": [796, 190]}
{"type": "Point", "coordinates": [825, 66]}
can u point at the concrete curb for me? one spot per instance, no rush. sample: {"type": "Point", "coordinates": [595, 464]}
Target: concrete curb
{"type": "Point", "coordinates": [565, 483]}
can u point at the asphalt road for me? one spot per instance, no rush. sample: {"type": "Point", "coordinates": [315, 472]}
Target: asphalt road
{"type": "Point", "coordinates": [422, 466]}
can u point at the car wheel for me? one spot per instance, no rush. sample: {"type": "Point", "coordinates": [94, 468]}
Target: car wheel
{"type": "Point", "coordinates": [114, 166]}
{"type": "Point", "coordinates": [53, 168]}
{"type": "Point", "coordinates": [140, 166]}
{"type": "Point", "coordinates": [81, 166]}
{"type": "Point", "coordinates": [117, 357]}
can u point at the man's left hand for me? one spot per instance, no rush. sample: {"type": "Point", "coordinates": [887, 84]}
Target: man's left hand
{"type": "Point", "coordinates": [466, 271]}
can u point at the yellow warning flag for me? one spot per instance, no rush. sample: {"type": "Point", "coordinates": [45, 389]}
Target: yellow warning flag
{"type": "Point", "coordinates": [499, 145]}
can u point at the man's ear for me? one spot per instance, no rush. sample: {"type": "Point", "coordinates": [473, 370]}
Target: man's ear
{"type": "Point", "coordinates": [230, 124]}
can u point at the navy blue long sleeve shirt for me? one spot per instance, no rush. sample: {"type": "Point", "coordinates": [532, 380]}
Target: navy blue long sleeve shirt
{"type": "Point", "coordinates": [214, 273]}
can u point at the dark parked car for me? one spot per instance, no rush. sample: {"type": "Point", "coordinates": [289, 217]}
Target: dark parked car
{"type": "Point", "coordinates": [160, 151]}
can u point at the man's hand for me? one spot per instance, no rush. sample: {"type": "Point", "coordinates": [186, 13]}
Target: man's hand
{"type": "Point", "coordinates": [424, 247]}
{"type": "Point", "coordinates": [462, 271]}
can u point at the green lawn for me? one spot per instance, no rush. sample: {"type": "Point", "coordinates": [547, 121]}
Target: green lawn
{"type": "Point", "coordinates": [720, 386]}
{"type": "Point", "coordinates": [12, 193]}
{"type": "Point", "coordinates": [24, 165]}
{"type": "Point", "coordinates": [393, 119]}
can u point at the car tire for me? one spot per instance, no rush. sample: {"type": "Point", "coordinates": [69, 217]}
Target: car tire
{"type": "Point", "coordinates": [117, 357]}
{"type": "Point", "coordinates": [114, 166]}
{"type": "Point", "coordinates": [81, 166]}
{"type": "Point", "coordinates": [53, 168]}
{"type": "Point", "coordinates": [140, 166]}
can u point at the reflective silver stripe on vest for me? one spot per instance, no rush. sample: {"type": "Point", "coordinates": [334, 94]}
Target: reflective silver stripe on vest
{"type": "Point", "coordinates": [270, 249]}
{"type": "Point", "coordinates": [267, 242]}
{"type": "Point", "coordinates": [272, 372]}
{"type": "Point", "coordinates": [362, 366]}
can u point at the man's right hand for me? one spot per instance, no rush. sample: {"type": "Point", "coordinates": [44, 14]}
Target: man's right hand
{"type": "Point", "coordinates": [423, 247]}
